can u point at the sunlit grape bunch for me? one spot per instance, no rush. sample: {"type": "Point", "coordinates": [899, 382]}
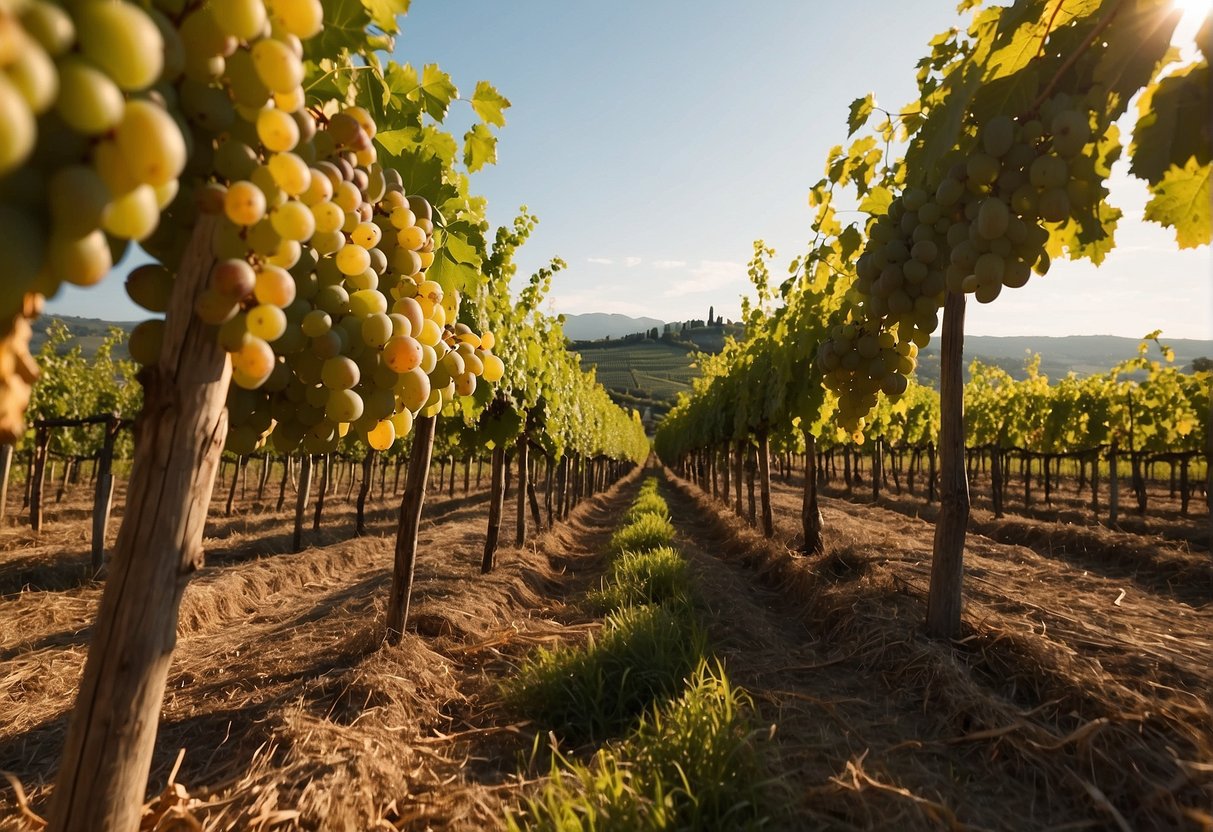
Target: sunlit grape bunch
{"type": "Point", "coordinates": [89, 152]}
{"type": "Point", "coordinates": [981, 226]}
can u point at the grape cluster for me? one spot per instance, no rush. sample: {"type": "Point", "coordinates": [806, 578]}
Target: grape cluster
{"type": "Point", "coordinates": [89, 152]}
{"type": "Point", "coordinates": [319, 292]}
{"type": "Point", "coordinates": [981, 226]}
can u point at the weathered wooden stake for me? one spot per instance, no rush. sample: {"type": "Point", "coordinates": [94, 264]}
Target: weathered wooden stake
{"type": "Point", "coordinates": [411, 505]}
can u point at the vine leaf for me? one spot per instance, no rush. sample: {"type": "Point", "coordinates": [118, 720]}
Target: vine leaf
{"type": "Point", "coordinates": [489, 104]}
{"type": "Point", "coordinates": [1173, 123]}
{"type": "Point", "coordinates": [384, 13]}
{"type": "Point", "coordinates": [861, 109]}
{"type": "Point", "coordinates": [1181, 201]}
{"type": "Point", "coordinates": [436, 91]}
{"type": "Point", "coordinates": [479, 148]}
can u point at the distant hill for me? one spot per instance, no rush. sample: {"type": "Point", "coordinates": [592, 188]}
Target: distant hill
{"type": "Point", "coordinates": [89, 332]}
{"type": "Point", "coordinates": [595, 326]}
{"type": "Point", "coordinates": [1059, 356]}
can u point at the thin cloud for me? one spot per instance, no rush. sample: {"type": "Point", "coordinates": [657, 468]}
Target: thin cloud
{"type": "Point", "coordinates": [631, 262]}
{"type": "Point", "coordinates": [709, 276]}
{"type": "Point", "coordinates": [602, 261]}
{"type": "Point", "coordinates": [669, 264]}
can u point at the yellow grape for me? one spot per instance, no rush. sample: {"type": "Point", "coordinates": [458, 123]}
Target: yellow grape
{"type": "Point", "coordinates": [465, 384]}
{"type": "Point", "coordinates": [287, 255]}
{"type": "Point", "coordinates": [367, 234]}
{"type": "Point", "coordinates": [277, 130]}
{"type": "Point", "coordinates": [382, 436]}
{"type": "Point", "coordinates": [290, 173]}
{"type": "Point", "coordinates": [254, 360]}
{"type": "Point", "coordinates": [293, 102]}
{"type": "Point", "coordinates": [302, 18]}
{"type": "Point", "coordinates": [347, 195]}
{"type": "Point", "coordinates": [275, 286]}
{"type": "Point", "coordinates": [413, 388]}
{"type": "Point", "coordinates": [89, 102]}
{"type": "Point", "coordinates": [34, 75]}
{"type": "Point", "coordinates": [50, 25]}
{"type": "Point", "coordinates": [353, 259]}
{"type": "Point", "coordinates": [405, 262]}
{"type": "Point", "coordinates": [344, 406]}
{"type": "Point", "coordinates": [487, 340]}
{"type": "Point", "coordinates": [244, 203]}
{"type": "Point", "coordinates": [266, 322]}
{"type": "Point", "coordinates": [403, 422]}
{"type": "Point", "coordinates": [494, 368]}
{"type": "Point", "coordinates": [242, 19]}
{"type": "Point", "coordinates": [319, 189]}
{"type": "Point", "coordinates": [18, 130]}
{"type": "Point", "coordinates": [328, 215]}
{"type": "Point", "coordinates": [293, 221]}
{"type": "Point", "coordinates": [401, 354]}
{"type": "Point", "coordinates": [411, 238]}
{"type": "Point", "coordinates": [151, 143]}
{"type": "Point", "coordinates": [278, 67]}
{"type": "Point", "coordinates": [403, 217]}
{"type": "Point", "coordinates": [327, 242]}
{"type": "Point", "coordinates": [122, 40]}
{"type": "Point", "coordinates": [134, 215]}
{"type": "Point", "coordinates": [83, 261]}
{"type": "Point", "coordinates": [426, 258]}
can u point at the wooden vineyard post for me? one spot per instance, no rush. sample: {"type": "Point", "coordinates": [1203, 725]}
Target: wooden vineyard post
{"type": "Point", "coordinates": [267, 463]}
{"type": "Point", "coordinates": [301, 500]}
{"type": "Point", "coordinates": [496, 503]}
{"type": "Point", "coordinates": [810, 511]}
{"type": "Point", "coordinates": [724, 473]}
{"type": "Point", "coordinates": [179, 437]}
{"type": "Point", "coordinates": [364, 489]}
{"type": "Point", "coordinates": [947, 562]}
{"type": "Point", "coordinates": [1113, 487]}
{"type": "Point", "coordinates": [322, 492]}
{"type": "Point", "coordinates": [522, 454]}
{"type": "Point", "coordinates": [751, 471]}
{"type": "Point", "coordinates": [764, 483]}
{"type": "Point", "coordinates": [738, 465]}
{"type": "Point", "coordinates": [103, 501]}
{"type": "Point", "coordinates": [286, 478]}
{"type": "Point", "coordinates": [6, 469]}
{"type": "Point", "coordinates": [42, 438]}
{"type": "Point", "coordinates": [231, 493]}
{"type": "Point", "coordinates": [411, 505]}
{"type": "Point", "coordinates": [996, 479]}
{"type": "Point", "coordinates": [562, 488]}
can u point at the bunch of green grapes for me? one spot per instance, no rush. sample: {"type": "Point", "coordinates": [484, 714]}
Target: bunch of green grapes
{"type": "Point", "coordinates": [89, 153]}
{"type": "Point", "coordinates": [981, 226]}
{"type": "Point", "coordinates": [319, 292]}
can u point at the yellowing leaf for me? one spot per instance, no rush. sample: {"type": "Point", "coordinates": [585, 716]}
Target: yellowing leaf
{"type": "Point", "coordinates": [1181, 201]}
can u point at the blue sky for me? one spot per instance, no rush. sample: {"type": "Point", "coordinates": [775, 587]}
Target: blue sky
{"type": "Point", "coordinates": [657, 140]}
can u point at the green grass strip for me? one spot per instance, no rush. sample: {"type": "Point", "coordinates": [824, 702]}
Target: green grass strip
{"type": "Point", "coordinates": [596, 691]}
{"type": "Point", "coordinates": [648, 531]}
{"type": "Point", "coordinates": [693, 763]}
{"type": "Point", "coordinates": [651, 577]}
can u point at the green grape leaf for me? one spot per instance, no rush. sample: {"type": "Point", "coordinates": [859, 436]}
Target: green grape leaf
{"type": "Point", "coordinates": [397, 142]}
{"type": "Point", "coordinates": [461, 251]}
{"type": "Point", "coordinates": [450, 274]}
{"type": "Point", "coordinates": [861, 110]}
{"type": "Point", "coordinates": [436, 92]}
{"type": "Point", "coordinates": [384, 13]}
{"type": "Point", "coordinates": [479, 148]}
{"type": "Point", "coordinates": [1173, 123]}
{"type": "Point", "coordinates": [345, 23]}
{"type": "Point", "coordinates": [489, 104]}
{"type": "Point", "coordinates": [1181, 201]}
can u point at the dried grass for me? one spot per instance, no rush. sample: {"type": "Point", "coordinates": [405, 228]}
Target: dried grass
{"type": "Point", "coordinates": [1099, 709]}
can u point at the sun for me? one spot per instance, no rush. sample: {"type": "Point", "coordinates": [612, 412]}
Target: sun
{"type": "Point", "coordinates": [1193, 8]}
